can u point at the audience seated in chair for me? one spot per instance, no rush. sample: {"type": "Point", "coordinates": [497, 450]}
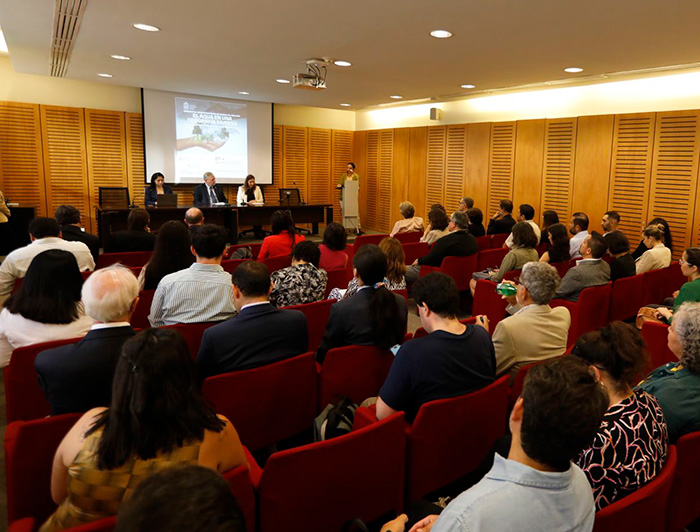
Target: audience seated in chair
{"type": "Point", "coordinates": [283, 238]}
{"type": "Point", "coordinates": [156, 420]}
{"type": "Point", "coordinates": [259, 335]}
{"type": "Point", "coordinates": [78, 377]}
{"type": "Point", "coordinates": [502, 221]}
{"type": "Point", "coordinates": [658, 255]}
{"type": "Point", "coordinates": [558, 241]}
{"type": "Point", "coordinates": [68, 218]}
{"type": "Point", "coordinates": [549, 218]}
{"type": "Point", "coordinates": [410, 223]}
{"type": "Point", "coordinates": [592, 270]}
{"type": "Point", "coordinates": [622, 264]}
{"type": "Point", "coordinates": [610, 222]}
{"type": "Point", "coordinates": [578, 227]}
{"type": "Point", "coordinates": [476, 222]}
{"type": "Point", "coordinates": [453, 359]}
{"type": "Point", "coordinates": [170, 254]}
{"type": "Point", "coordinates": [690, 291]}
{"type": "Point", "coordinates": [303, 281]}
{"type": "Point", "coordinates": [137, 237]}
{"type": "Point", "coordinates": [194, 217]}
{"type": "Point", "coordinates": [333, 254]}
{"type": "Point", "coordinates": [437, 226]}
{"type": "Point", "coordinates": [466, 203]}
{"type": "Point", "coordinates": [526, 213]}
{"type": "Point", "coordinates": [668, 240]}
{"type": "Point", "coordinates": [200, 293]}
{"type": "Point", "coordinates": [630, 447]}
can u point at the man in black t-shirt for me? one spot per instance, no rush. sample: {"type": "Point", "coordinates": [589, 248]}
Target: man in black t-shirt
{"type": "Point", "coordinates": [454, 359]}
{"type": "Point", "coordinates": [502, 222]}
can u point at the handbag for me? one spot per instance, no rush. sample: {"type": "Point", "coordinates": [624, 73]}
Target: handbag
{"type": "Point", "coordinates": [646, 314]}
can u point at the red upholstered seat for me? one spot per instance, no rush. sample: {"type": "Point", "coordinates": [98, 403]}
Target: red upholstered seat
{"type": "Point", "coordinates": [29, 524]}
{"type": "Point", "coordinates": [254, 249]}
{"type": "Point", "coordinates": [367, 239]}
{"type": "Point", "coordinates": [656, 337]}
{"type": "Point", "coordinates": [318, 487]}
{"type": "Point", "coordinates": [627, 297]}
{"type": "Point", "coordinates": [193, 332]}
{"type": "Point", "coordinates": [408, 238]}
{"type": "Point", "coordinates": [269, 403]}
{"type": "Point", "coordinates": [655, 286]}
{"type": "Point", "coordinates": [231, 265]}
{"type": "Point", "coordinates": [497, 241]}
{"type": "Point", "coordinates": [483, 242]}
{"type": "Point", "coordinates": [561, 267]}
{"type": "Point", "coordinates": [24, 400]}
{"type": "Point", "coordinates": [415, 251]}
{"type": "Point", "coordinates": [139, 320]}
{"type": "Point", "coordinates": [683, 507]}
{"type": "Point", "coordinates": [459, 268]}
{"type": "Point", "coordinates": [277, 263]}
{"type": "Point", "coordinates": [589, 313]}
{"type": "Point", "coordinates": [131, 258]}
{"type": "Point", "coordinates": [674, 278]}
{"type": "Point", "coordinates": [542, 248]}
{"type": "Point", "coordinates": [517, 387]}
{"type": "Point", "coordinates": [645, 509]}
{"type": "Point", "coordinates": [88, 273]}
{"type": "Point", "coordinates": [356, 371]}
{"type": "Point", "coordinates": [241, 486]}
{"type": "Point", "coordinates": [316, 318]}
{"type": "Point", "coordinates": [490, 258]}
{"type": "Point", "coordinates": [337, 278]}
{"type": "Point", "coordinates": [488, 302]}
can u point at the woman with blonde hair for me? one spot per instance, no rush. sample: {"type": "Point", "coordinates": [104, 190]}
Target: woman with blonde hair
{"type": "Point", "coordinates": [658, 255]}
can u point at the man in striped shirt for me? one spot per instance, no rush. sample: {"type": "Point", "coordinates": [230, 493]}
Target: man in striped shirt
{"type": "Point", "coordinates": [202, 292]}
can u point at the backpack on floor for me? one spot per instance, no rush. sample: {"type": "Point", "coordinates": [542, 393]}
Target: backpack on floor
{"type": "Point", "coordinates": [335, 420]}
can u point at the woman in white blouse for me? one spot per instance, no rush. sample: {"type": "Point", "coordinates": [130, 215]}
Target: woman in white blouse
{"type": "Point", "coordinates": [658, 255]}
{"type": "Point", "coordinates": [249, 192]}
{"type": "Point", "coordinates": [46, 307]}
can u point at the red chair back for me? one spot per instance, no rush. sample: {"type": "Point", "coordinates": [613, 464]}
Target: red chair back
{"type": "Point", "coordinates": [88, 273]}
{"type": "Point", "coordinates": [254, 249]}
{"type": "Point", "coordinates": [356, 371]}
{"type": "Point", "coordinates": [269, 403]}
{"type": "Point", "coordinates": [337, 278]}
{"type": "Point", "coordinates": [491, 258]}
{"type": "Point", "coordinates": [468, 427]}
{"type": "Point", "coordinates": [460, 269]}
{"type": "Point", "coordinates": [483, 242]}
{"type": "Point", "coordinates": [131, 258]}
{"type": "Point", "coordinates": [403, 293]}
{"type": "Point", "coordinates": [497, 241]}
{"type": "Point", "coordinates": [655, 283]}
{"type": "Point", "coordinates": [415, 251]}
{"type": "Point", "coordinates": [656, 337]}
{"type": "Point", "coordinates": [541, 248]}
{"type": "Point", "coordinates": [561, 267]}
{"type": "Point", "coordinates": [322, 485]}
{"type": "Point", "coordinates": [674, 278]}
{"type": "Point", "coordinates": [277, 263]}
{"type": "Point", "coordinates": [408, 238]}
{"type": "Point", "coordinates": [683, 507]}
{"type": "Point", "coordinates": [24, 400]}
{"type": "Point", "coordinates": [193, 332]}
{"type": "Point", "coordinates": [241, 486]}
{"type": "Point", "coordinates": [316, 318]}
{"type": "Point", "coordinates": [139, 319]}
{"type": "Point", "coordinates": [516, 388]}
{"type": "Point", "coordinates": [29, 451]}
{"type": "Point", "coordinates": [626, 298]}
{"type": "Point", "coordinates": [488, 302]}
{"type": "Point", "coordinates": [367, 239]}
{"type": "Point", "coordinates": [231, 265]}
{"type": "Point", "coordinates": [103, 525]}
{"type": "Point", "coordinates": [643, 510]}
{"type": "Point", "coordinates": [589, 313]}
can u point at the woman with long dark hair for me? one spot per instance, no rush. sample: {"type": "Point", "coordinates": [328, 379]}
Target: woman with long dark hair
{"type": "Point", "coordinates": [171, 254]}
{"type": "Point", "coordinates": [283, 239]}
{"type": "Point", "coordinates": [156, 187]}
{"type": "Point", "coordinates": [558, 244]}
{"type": "Point", "coordinates": [157, 418]}
{"type": "Point", "coordinates": [549, 218]}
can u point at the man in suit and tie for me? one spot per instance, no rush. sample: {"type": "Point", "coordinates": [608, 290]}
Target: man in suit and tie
{"type": "Point", "coordinates": [208, 193]}
{"type": "Point", "coordinates": [78, 377]}
{"type": "Point", "coordinates": [260, 334]}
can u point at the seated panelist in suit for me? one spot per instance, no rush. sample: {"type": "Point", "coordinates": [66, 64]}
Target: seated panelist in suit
{"type": "Point", "coordinates": [156, 187]}
{"type": "Point", "coordinates": [259, 335]}
{"type": "Point", "coordinates": [208, 192]}
{"type": "Point", "coordinates": [249, 192]}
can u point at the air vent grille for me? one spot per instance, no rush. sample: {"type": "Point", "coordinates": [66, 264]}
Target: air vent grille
{"type": "Point", "coordinates": [67, 19]}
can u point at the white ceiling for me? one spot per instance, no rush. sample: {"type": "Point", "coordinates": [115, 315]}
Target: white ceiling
{"type": "Point", "coordinates": [220, 47]}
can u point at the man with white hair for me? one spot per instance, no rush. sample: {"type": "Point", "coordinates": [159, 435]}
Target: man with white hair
{"type": "Point", "coordinates": [78, 377]}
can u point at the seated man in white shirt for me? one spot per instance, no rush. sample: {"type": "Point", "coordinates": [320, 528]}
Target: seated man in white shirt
{"type": "Point", "coordinates": [526, 213]}
{"type": "Point", "coordinates": [578, 226]}
{"type": "Point", "coordinates": [45, 233]}
{"type": "Point", "coordinates": [202, 292]}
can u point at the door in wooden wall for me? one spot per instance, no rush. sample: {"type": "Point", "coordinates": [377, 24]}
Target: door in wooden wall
{"type": "Point", "coordinates": [558, 167]}
{"type": "Point", "coordinates": [501, 165]}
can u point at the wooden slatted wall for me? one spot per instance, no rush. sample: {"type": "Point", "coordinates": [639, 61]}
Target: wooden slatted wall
{"type": "Point", "coordinates": [341, 155]}
{"type": "Point", "coordinates": [435, 172]}
{"type": "Point", "coordinates": [319, 165]}
{"type": "Point", "coordinates": [295, 162]}
{"type": "Point", "coordinates": [135, 166]}
{"type": "Point", "coordinates": [558, 168]}
{"type": "Point", "coordinates": [372, 181]}
{"type": "Point", "coordinates": [386, 162]}
{"type": "Point", "coordinates": [501, 164]}
{"type": "Point", "coordinates": [272, 191]}
{"type": "Point", "coordinates": [455, 163]}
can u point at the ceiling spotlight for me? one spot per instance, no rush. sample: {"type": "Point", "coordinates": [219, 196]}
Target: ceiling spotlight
{"type": "Point", "coordinates": [395, 97]}
{"type": "Point", "coordinates": [342, 63]}
{"type": "Point", "coordinates": [104, 75]}
{"type": "Point", "coordinates": [244, 93]}
{"type": "Point", "coordinates": [468, 86]}
{"type": "Point", "coordinates": [441, 34]}
{"type": "Point", "coordinates": [120, 57]}
{"type": "Point", "coordinates": [282, 80]}
{"type": "Point", "coordinates": [146, 27]}
{"type": "Point", "coordinates": [573, 70]}
{"type": "Point", "coordinates": [344, 105]}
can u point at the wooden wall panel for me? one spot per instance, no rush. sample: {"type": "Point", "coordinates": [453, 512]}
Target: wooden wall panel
{"type": "Point", "coordinates": [674, 173]}
{"type": "Point", "coordinates": [476, 168]}
{"type": "Point", "coordinates": [295, 162]}
{"type": "Point", "coordinates": [400, 179]}
{"type": "Point", "coordinates": [359, 157]}
{"type": "Point", "coordinates": [272, 191]}
{"type": "Point", "coordinates": [558, 166]}
{"type": "Point", "coordinates": [455, 161]}
{"type": "Point", "coordinates": [630, 170]}
{"type": "Point", "coordinates": [385, 176]}
{"type": "Point", "coordinates": [135, 166]}
{"type": "Point", "coordinates": [417, 164]}
{"type": "Point", "coordinates": [527, 176]}
{"type": "Point", "coordinates": [435, 171]}
{"type": "Point", "coordinates": [592, 171]}
{"type": "Point", "coordinates": [319, 166]}
{"type": "Point", "coordinates": [21, 157]}
{"type": "Point", "coordinates": [341, 155]}
{"type": "Point", "coordinates": [372, 189]}
{"type": "Point", "coordinates": [501, 164]}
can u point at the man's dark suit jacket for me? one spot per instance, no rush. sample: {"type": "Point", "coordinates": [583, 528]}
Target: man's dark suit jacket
{"type": "Point", "coordinates": [259, 335]}
{"type": "Point", "coordinates": [349, 322]}
{"type": "Point", "coordinates": [456, 244]}
{"type": "Point", "coordinates": [201, 195]}
{"type": "Point", "coordinates": [73, 233]}
{"type": "Point", "coordinates": [125, 241]}
{"type": "Point", "coordinates": [78, 377]}
{"type": "Point", "coordinates": [501, 227]}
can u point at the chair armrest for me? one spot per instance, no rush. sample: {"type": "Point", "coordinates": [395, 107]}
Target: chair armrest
{"type": "Point", "coordinates": [365, 416]}
{"type": "Point", "coordinates": [22, 525]}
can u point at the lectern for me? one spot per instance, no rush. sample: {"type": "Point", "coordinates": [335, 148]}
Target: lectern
{"type": "Point", "coordinates": [349, 201]}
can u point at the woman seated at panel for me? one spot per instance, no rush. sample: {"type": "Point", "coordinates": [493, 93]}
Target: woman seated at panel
{"type": "Point", "coordinates": [630, 447]}
{"type": "Point", "coordinates": [333, 254]}
{"type": "Point", "coordinates": [283, 238]}
{"type": "Point", "coordinates": [157, 419]}
{"type": "Point", "coordinates": [658, 255]}
{"type": "Point", "coordinates": [249, 192]}
{"type": "Point", "coordinates": [668, 241]}
{"type": "Point", "coordinates": [623, 264]}
{"type": "Point", "coordinates": [476, 222]}
{"type": "Point", "coordinates": [410, 222]}
{"type": "Point", "coordinates": [690, 291]}
{"type": "Point", "coordinates": [156, 187]}
{"type": "Point", "coordinates": [302, 282]}
{"type": "Point", "coordinates": [437, 226]}
{"type": "Point", "coordinates": [46, 307]}
{"type": "Point", "coordinates": [558, 241]}
{"type": "Point", "coordinates": [549, 218]}
{"type": "Point", "coordinates": [373, 316]}
{"type": "Point", "coordinates": [171, 254]}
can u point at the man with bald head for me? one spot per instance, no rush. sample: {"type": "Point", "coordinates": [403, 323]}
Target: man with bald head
{"type": "Point", "coordinates": [78, 377]}
{"type": "Point", "coordinates": [194, 217]}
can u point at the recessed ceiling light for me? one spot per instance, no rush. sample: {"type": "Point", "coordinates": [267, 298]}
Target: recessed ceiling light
{"type": "Point", "coordinates": [468, 86]}
{"type": "Point", "coordinates": [344, 105]}
{"type": "Point", "coordinates": [441, 34]}
{"type": "Point", "coordinates": [573, 70]}
{"type": "Point", "coordinates": [146, 27]}
{"type": "Point", "coordinates": [120, 57]}
{"type": "Point", "coordinates": [342, 63]}
{"type": "Point", "coordinates": [282, 80]}
{"type": "Point", "coordinates": [396, 97]}
{"type": "Point", "coordinates": [243, 92]}
{"type": "Point", "coordinates": [104, 75]}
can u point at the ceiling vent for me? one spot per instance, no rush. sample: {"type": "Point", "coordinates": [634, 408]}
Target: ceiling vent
{"type": "Point", "coordinates": [66, 24]}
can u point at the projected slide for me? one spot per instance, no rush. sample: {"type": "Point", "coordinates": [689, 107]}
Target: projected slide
{"type": "Point", "coordinates": [211, 136]}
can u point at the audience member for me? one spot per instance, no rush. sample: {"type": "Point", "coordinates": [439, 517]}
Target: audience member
{"type": "Point", "coordinates": [537, 487]}
{"type": "Point", "coordinates": [373, 316]}
{"type": "Point", "coordinates": [261, 334]}
{"type": "Point", "coordinates": [171, 254]}
{"type": "Point", "coordinates": [457, 244]}
{"type": "Point", "coordinates": [435, 366]}
{"type": "Point", "coordinates": [46, 307]}
{"type": "Point", "coordinates": [189, 497]}
{"type": "Point", "coordinates": [622, 264]}
{"type": "Point", "coordinates": [201, 292]}
{"type": "Point", "coordinates": [610, 222]}
{"type": "Point", "coordinates": [466, 203]}
{"type": "Point", "coordinates": [137, 237]}
{"type": "Point", "coordinates": [283, 238]}
{"type": "Point", "coordinates": [194, 217]}
{"type": "Point", "coordinates": [502, 221]}
{"type": "Point", "coordinates": [677, 385]}
{"type": "Point", "coordinates": [303, 281]}
{"type": "Point", "coordinates": [523, 251]}
{"type": "Point", "coordinates": [690, 291]}
{"type": "Point", "coordinates": [578, 227]}
{"type": "Point", "coordinates": [535, 331]}
{"type": "Point", "coordinates": [395, 278]}
{"type": "Point", "coordinates": [44, 234]}
{"type": "Point", "coordinates": [558, 241]}
{"type": "Point", "coordinates": [476, 222]}
{"type": "Point", "coordinates": [630, 447]}
{"type": "Point", "coordinates": [592, 270]}
{"type": "Point", "coordinates": [437, 226]}
{"type": "Point", "coordinates": [333, 254]}
{"type": "Point", "coordinates": [410, 222]}
{"type": "Point", "coordinates": [156, 186]}
{"type": "Point", "coordinates": [549, 218]}
{"type": "Point", "coordinates": [526, 213]}
{"type": "Point", "coordinates": [658, 255]}
{"type": "Point", "coordinates": [78, 377]}
{"type": "Point", "coordinates": [68, 218]}
{"type": "Point", "coordinates": [668, 241]}
{"type": "Point", "coordinates": [157, 419]}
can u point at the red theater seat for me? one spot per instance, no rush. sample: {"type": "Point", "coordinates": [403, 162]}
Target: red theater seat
{"type": "Point", "coordinates": [459, 268]}
{"type": "Point", "coordinates": [367, 239]}
{"type": "Point", "coordinates": [415, 251]}
{"type": "Point", "coordinates": [131, 258]}
{"type": "Point", "coordinates": [254, 249]}
{"type": "Point", "coordinates": [231, 265]}
{"type": "Point", "coordinates": [491, 258]}
{"type": "Point", "coordinates": [488, 302]}
{"type": "Point", "coordinates": [139, 319]}
{"type": "Point", "coordinates": [408, 238]}
{"type": "Point", "coordinates": [497, 241]}
{"type": "Point", "coordinates": [656, 337]}
{"type": "Point", "coordinates": [277, 263]}
{"type": "Point", "coordinates": [483, 242]}
{"type": "Point", "coordinates": [655, 286]}
{"type": "Point", "coordinates": [589, 313]}
{"type": "Point", "coordinates": [683, 507]}
{"type": "Point", "coordinates": [193, 332]}
{"type": "Point", "coordinates": [316, 318]}
{"type": "Point", "coordinates": [337, 278]}
{"type": "Point", "coordinates": [626, 297]}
